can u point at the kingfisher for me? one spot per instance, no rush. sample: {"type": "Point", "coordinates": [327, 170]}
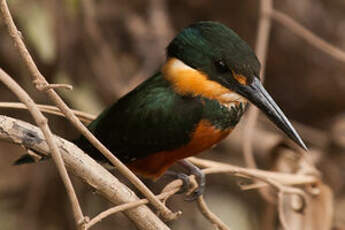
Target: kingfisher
{"type": "Point", "coordinates": [189, 106]}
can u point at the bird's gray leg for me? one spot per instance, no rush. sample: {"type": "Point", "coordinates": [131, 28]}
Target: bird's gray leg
{"type": "Point", "coordinates": [182, 176]}
{"type": "Point", "coordinates": [199, 176]}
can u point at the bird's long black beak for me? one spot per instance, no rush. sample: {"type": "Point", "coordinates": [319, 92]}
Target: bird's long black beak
{"type": "Point", "coordinates": [257, 94]}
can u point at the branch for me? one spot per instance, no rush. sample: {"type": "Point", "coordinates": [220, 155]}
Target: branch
{"type": "Point", "coordinates": [83, 166]}
{"type": "Point", "coordinates": [263, 34]}
{"type": "Point", "coordinates": [38, 77]}
{"type": "Point", "coordinates": [42, 86]}
{"type": "Point", "coordinates": [212, 167]}
{"type": "Point", "coordinates": [261, 51]}
{"type": "Point", "coordinates": [211, 216]}
{"type": "Point", "coordinates": [281, 182]}
{"type": "Point", "coordinates": [83, 116]}
{"type": "Point", "coordinates": [42, 122]}
{"type": "Point", "coordinates": [307, 35]}
{"type": "Point", "coordinates": [126, 206]}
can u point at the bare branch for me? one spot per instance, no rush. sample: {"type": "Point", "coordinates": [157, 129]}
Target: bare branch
{"type": "Point", "coordinates": [281, 215]}
{"type": "Point", "coordinates": [264, 29]}
{"type": "Point", "coordinates": [123, 207]}
{"type": "Point", "coordinates": [83, 116]}
{"type": "Point", "coordinates": [282, 178]}
{"type": "Point", "coordinates": [210, 215]}
{"type": "Point", "coordinates": [261, 51]}
{"type": "Point", "coordinates": [83, 166]}
{"type": "Point", "coordinates": [42, 122]}
{"type": "Point", "coordinates": [309, 36]}
{"type": "Point", "coordinates": [42, 86]}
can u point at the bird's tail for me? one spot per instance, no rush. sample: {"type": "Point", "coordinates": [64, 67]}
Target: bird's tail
{"type": "Point", "coordinates": [31, 157]}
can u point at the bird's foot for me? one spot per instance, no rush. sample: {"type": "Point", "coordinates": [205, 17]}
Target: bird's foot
{"type": "Point", "coordinates": [182, 176]}
{"type": "Point", "coordinates": [199, 177]}
{"type": "Point", "coordinates": [185, 188]}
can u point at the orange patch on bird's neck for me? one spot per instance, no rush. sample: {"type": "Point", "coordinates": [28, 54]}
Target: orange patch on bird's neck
{"type": "Point", "coordinates": [187, 80]}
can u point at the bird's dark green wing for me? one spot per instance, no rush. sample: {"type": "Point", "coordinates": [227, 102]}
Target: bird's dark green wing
{"type": "Point", "coordinates": [150, 119]}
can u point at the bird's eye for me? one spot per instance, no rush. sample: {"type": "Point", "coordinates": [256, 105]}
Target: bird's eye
{"type": "Point", "coordinates": [221, 66]}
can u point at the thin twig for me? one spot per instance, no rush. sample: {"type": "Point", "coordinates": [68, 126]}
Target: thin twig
{"type": "Point", "coordinates": [281, 189]}
{"type": "Point", "coordinates": [83, 116]}
{"type": "Point", "coordinates": [42, 122]}
{"type": "Point", "coordinates": [214, 219]}
{"type": "Point", "coordinates": [261, 51]}
{"type": "Point", "coordinates": [42, 86]}
{"type": "Point", "coordinates": [126, 206]}
{"type": "Point", "coordinates": [261, 47]}
{"type": "Point", "coordinates": [307, 35]}
{"type": "Point", "coordinates": [282, 178]}
{"type": "Point", "coordinates": [37, 76]}
{"type": "Point", "coordinates": [281, 215]}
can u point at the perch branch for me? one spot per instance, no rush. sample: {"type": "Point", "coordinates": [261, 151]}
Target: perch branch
{"type": "Point", "coordinates": [42, 122]}
{"type": "Point", "coordinates": [83, 166]}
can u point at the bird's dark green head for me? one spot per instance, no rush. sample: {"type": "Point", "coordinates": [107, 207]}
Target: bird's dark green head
{"type": "Point", "coordinates": [210, 60]}
{"type": "Point", "coordinates": [216, 50]}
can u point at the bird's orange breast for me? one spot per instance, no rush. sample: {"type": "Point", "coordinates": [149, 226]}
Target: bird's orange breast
{"type": "Point", "coordinates": [204, 137]}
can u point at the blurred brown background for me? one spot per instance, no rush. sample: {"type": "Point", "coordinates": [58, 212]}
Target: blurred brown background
{"type": "Point", "coordinates": [104, 48]}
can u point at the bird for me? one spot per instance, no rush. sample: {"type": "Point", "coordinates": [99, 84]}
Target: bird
{"type": "Point", "coordinates": [191, 104]}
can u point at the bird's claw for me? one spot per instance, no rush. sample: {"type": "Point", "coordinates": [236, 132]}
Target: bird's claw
{"type": "Point", "coordinates": [199, 177]}
{"type": "Point", "coordinates": [185, 182]}
{"type": "Point", "coordinates": [195, 194]}
{"type": "Point", "coordinates": [182, 176]}
{"type": "Point", "coordinates": [185, 188]}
